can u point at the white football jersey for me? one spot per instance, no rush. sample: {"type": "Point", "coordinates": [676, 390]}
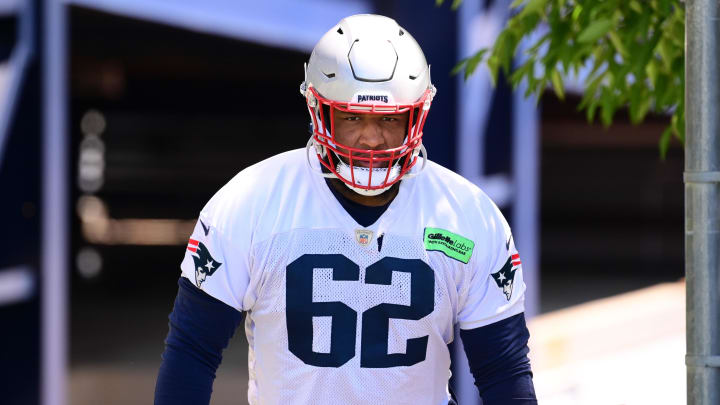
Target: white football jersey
{"type": "Point", "coordinates": [338, 313]}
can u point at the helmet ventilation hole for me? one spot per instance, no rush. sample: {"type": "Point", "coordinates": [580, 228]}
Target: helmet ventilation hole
{"type": "Point", "coordinates": [412, 77]}
{"type": "Point", "coordinates": [340, 31]}
{"type": "Point", "coordinates": [401, 33]}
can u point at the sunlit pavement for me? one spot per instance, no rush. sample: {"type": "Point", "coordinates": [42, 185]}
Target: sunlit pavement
{"type": "Point", "coordinates": [624, 350]}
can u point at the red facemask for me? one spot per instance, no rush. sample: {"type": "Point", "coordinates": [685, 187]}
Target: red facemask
{"type": "Point", "coordinates": [382, 168]}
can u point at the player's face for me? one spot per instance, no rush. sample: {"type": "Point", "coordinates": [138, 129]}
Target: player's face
{"type": "Point", "coordinates": [370, 131]}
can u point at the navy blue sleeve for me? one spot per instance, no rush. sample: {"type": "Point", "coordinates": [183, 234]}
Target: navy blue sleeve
{"type": "Point", "coordinates": [200, 329]}
{"type": "Point", "coordinates": [497, 354]}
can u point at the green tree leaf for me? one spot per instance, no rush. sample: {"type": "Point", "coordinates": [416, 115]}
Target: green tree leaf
{"type": "Point", "coordinates": [473, 62]}
{"type": "Point", "coordinates": [608, 104]}
{"type": "Point", "coordinates": [618, 43]}
{"type": "Point", "coordinates": [595, 30]}
{"type": "Point", "coordinates": [557, 84]}
{"type": "Point", "coordinates": [664, 143]}
{"type": "Point", "coordinates": [533, 6]}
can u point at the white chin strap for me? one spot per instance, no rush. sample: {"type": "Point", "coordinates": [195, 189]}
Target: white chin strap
{"type": "Point", "coordinates": [362, 174]}
{"type": "Point", "coordinates": [362, 177]}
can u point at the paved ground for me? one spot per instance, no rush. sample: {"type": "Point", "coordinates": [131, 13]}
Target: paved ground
{"type": "Point", "coordinates": [628, 349]}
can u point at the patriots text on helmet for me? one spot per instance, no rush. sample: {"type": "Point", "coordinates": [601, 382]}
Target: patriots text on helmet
{"type": "Point", "coordinates": [369, 97]}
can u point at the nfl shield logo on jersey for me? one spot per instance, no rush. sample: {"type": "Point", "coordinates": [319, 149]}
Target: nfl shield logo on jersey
{"type": "Point", "coordinates": [363, 236]}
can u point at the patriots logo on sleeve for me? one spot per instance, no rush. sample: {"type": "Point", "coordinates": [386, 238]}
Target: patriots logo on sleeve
{"type": "Point", "coordinates": [505, 277]}
{"type": "Point", "coordinates": [205, 265]}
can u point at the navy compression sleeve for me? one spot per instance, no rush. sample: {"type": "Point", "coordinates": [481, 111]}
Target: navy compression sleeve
{"type": "Point", "coordinates": [497, 354]}
{"type": "Point", "coordinates": [200, 329]}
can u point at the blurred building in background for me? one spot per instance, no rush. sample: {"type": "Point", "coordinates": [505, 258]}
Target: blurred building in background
{"type": "Point", "coordinates": [20, 205]}
{"type": "Point", "coordinates": [161, 102]}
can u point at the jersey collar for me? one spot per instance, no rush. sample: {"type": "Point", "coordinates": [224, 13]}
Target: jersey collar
{"type": "Point", "coordinates": [398, 205]}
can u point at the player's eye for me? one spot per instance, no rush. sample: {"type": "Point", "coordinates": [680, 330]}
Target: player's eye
{"type": "Point", "coordinates": [389, 119]}
{"type": "Point", "coordinates": [352, 118]}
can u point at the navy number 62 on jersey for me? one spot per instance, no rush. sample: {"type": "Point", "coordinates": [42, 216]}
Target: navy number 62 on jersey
{"type": "Point", "coordinates": [300, 310]}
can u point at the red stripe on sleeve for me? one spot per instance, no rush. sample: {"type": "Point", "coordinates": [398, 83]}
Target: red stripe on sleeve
{"type": "Point", "coordinates": [192, 249]}
{"type": "Point", "coordinates": [193, 242]}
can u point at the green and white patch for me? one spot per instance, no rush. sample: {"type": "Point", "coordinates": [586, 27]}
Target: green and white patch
{"type": "Point", "coordinates": [451, 244]}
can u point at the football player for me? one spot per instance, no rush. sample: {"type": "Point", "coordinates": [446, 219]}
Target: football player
{"type": "Point", "coordinates": [352, 260]}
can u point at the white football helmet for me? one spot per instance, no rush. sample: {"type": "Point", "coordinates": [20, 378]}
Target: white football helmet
{"type": "Point", "coordinates": [367, 64]}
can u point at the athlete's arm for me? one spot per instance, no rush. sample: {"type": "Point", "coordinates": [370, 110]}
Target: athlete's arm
{"type": "Point", "coordinates": [497, 354]}
{"type": "Point", "coordinates": [200, 329]}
